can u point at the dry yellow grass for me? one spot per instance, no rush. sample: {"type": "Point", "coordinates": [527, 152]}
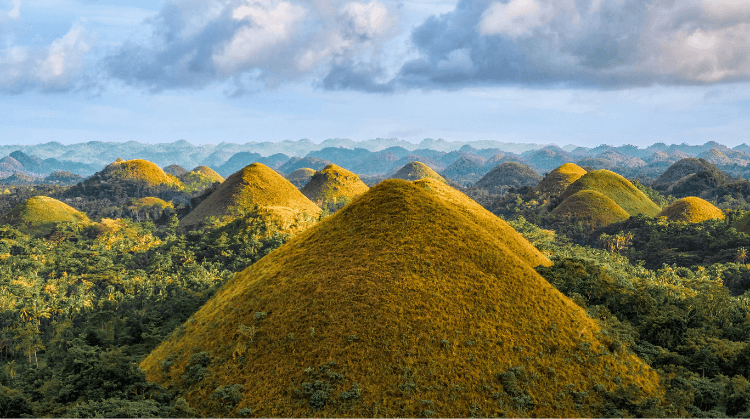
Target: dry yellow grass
{"type": "Point", "coordinates": [591, 207]}
{"type": "Point", "coordinates": [416, 170]}
{"type": "Point", "coordinates": [208, 173]}
{"type": "Point", "coordinates": [40, 214]}
{"type": "Point", "coordinates": [416, 302]}
{"type": "Point", "coordinates": [616, 188]}
{"type": "Point", "coordinates": [332, 184]}
{"type": "Point", "coordinates": [557, 180]}
{"type": "Point", "coordinates": [141, 170]}
{"type": "Point", "coordinates": [692, 210]}
{"type": "Point", "coordinates": [255, 185]}
{"type": "Point", "coordinates": [300, 177]}
{"type": "Point", "coordinates": [150, 201]}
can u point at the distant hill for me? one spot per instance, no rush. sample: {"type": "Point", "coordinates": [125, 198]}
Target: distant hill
{"type": "Point", "coordinates": [150, 201]}
{"type": "Point", "coordinates": [200, 178]}
{"type": "Point", "coordinates": [139, 170]}
{"type": "Point", "coordinates": [416, 170]}
{"type": "Point", "coordinates": [616, 188]}
{"type": "Point", "coordinates": [509, 174]}
{"type": "Point", "coordinates": [691, 210]}
{"type": "Point", "coordinates": [61, 177]}
{"type": "Point", "coordinates": [300, 177]}
{"type": "Point", "coordinates": [547, 158]}
{"type": "Point", "coordinates": [398, 305]}
{"type": "Point", "coordinates": [466, 170]}
{"type": "Point", "coordinates": [690, 177]}
{"type": "Point", "coordinates": [175, 170]}
{"type": "Point", "coordinates": [257, 185]}
{"type": "Point", "coordinates": [591, 207]}
{"type": "Point", "coordinates": [555, 182]}
{"type": "Point", "coordinates": [298, 163]}
{"type": "Point", "coordinates": [243, 159]}
{"type": "Point", "coordinates": [333, 184]}
{"type": "Point", "coordinates": [40, 214]}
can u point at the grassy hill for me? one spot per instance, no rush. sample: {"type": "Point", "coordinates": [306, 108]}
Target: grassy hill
{"type": "Point", "coordinates": [691, 210]}
{"type": "Point", "coordinates": [257, 185]}
{"type": "Point", "coordinates": [591, 207]}
{"type": "Point", "coordinates": [200, 178]}
{"type": "Point", "coordinates": [40, 214]}
{"type": "Point", "coordinates": [557, 180]}
{"type": "Point", "coordinates": [300, 177]}
{"type": "Point", "coordinates": [140, 171]}
{"type": "Point", "coordinates": [509, 174]}
{"type": "Point", "coordinates": [333, 184]}
{"type": "Point", "coordinates": [616, 188]}
{"type": "Point", "coordinates": [397, 305]}
{"type": "Point", "coordinates": [150, 201]}
{"type": "Point", "coordinates": [416, 170]}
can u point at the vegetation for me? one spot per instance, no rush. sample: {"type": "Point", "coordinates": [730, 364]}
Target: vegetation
{"type": "Point", "coordinates": [617, 188]}
{"type": "Point", "coordinates": [332, 186]}
{"type": "Point", "coordinates": [557, 180]}
{"type": "Point", "coordinates": [592, 208]}
{"type": "Point", "coordinates": [301, 176]}
{"type": "Point", "coordinates": [140, 170]}
{"type": "Point", "coordinates": [509, 174]}
{"type": "Point", "coordinates": [41, 214]}
{"type": "Point", "coordinates": [416, 170]}
{"type": "Point", "coordinates": [691, 210]}
{"type": "Point", "coordinates": [200, 178]}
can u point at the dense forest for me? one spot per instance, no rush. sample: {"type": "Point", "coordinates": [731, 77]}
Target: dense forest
{"type": "Point", "coordinates": [82, 304]}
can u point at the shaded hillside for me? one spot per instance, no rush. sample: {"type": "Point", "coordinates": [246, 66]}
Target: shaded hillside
{"type": "Point", "coordinates": [379, 326]}
{"type": "Point", "coordinates": [691, 210]}
{"type": "Point", "coordinates": [466, 170]}
{"type": "Point", "coordinates": [616, 188]}
{"type": "Point", "coordinates": [591, 208]}
{"type": "Point", "coordinates": [298, 163]}
{"type": "Point", "coordinates": [333, 187]}
{"type": "Point", "coordinates": [692, 176]}
{"type": "Point", "coordinates": [300, 177]}
{"type": "Point", "coordinates": [200, 178]}
{"type": "Point", "coordinates": [509, 174]}
{"type": "Point", "coordinates": [41, 214]}
{"type": "Point", "coordinates": [175, 170]}
{"type": "Point", "coordinates": [243, 159]}
{"type": "Point", "coordinates": [416, 170]}
{"type": "Point", "coordinates": [555, 182]}
{"type": "Point", "coordinates": [256, 187]}
{"type": "Point", "coordinates": [547, 158]}
{"type": "Point", "coordinates": [63, 178]}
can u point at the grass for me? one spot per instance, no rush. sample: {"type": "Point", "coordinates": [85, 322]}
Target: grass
{"type": "Point", "coordinates": [256, 185]}
{"type": "Point", "coordinates": [591, 207]}
{"type": "Point", "coordinates": [40, 214]}
{"type": "Point", "coordinates": [331, 184]}
{"type": "Point", "coordinates": [209, 173]}
{"type": "Point", "coordinates": [416, 170]}
{"type": "Point", "coordinates": [300, 177]}
{"type": "Point", "coordinates": [618, 189]}
{"type": "Point", "coordinates": [557, 180]}
{"type": "Point", "coordinates": [399, 303]}
{"type": "Point", "coordinates": [150, 201]}
{"type": "Point", "coordinates": [141, 170]}
{"type": "Point", "coordinates": [510, 174]}
{"type": "Point", "coordinates": [691, 210]}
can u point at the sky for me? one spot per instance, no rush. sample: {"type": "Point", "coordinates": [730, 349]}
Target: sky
{"type": "Point", "coordinates": [582, 72]}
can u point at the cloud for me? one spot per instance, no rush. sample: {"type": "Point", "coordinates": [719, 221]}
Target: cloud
{"type": "Point", "coordinates": [194, 43]}
{"type": "Point", "coordinates": [60, 66]}
{"type": "Point", "coordinates": [605, 44]}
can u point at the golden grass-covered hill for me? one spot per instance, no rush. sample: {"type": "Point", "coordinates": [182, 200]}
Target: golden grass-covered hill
{"type": "Point", "coordinates": [692, 210]}
{"type": "Point", "coordinates": [416, 170]}
{"type": "Point", "coordinates": [40, 214]}
{"type": "Point", "coordinates": [333, 184]}
{"type": "Point", "coordinates": [556, 181]}
{"type": "Point", "coordinates": [616, 188]}
{"type": "Point", "coordinates": [208, 173]}
{"type": "Point", "coordinates": [139, 170]}
{"type": "Point", "coordinates": [509, 174]}
{"type": "Point", "coordinates": [397, 305]}
{"type": "Point", "coordinates": [150, 201]}
{"type": "Point", "coordinates": [591, 207]}
{"type": "Point", "coordinates": [255, 185]}
{"type": "Point", "coordinates": [300, 177]}
{"type": "Point", "coordinates": [200, 178]}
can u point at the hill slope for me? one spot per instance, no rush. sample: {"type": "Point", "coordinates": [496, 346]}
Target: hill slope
{"type": "Point", "coordinates": [40, 214]}
{"type": "Point", "coordinates": [397, 305]}
{"type": "Point", "coordinates": [416, 170]}
{"type": "Point", "coordinates": [333, 184]}
{"type": "Point", "coordinates": [255, 185]}
{"type": "Point", "coordinates": [509, 174]}
{"type": "Point", "coordinates": [591, 207]}
{"type": "Point", "coordinates": [139, 170]}
{"type": "Point", "coordinates": [557, 180]}
{"type": "Point", "coordinates": [691, 210]}
{"type": "Point", "coordinates": [300, 177]}
{"type": "Point", "coordinates": [617, 188]}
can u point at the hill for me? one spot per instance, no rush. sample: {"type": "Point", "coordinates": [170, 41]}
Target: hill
{"type": "Point", "coordinates": [200, 178]}
{"type": "Point", "coordinates": [175, 170]}
{"type": "Point", "coordinates": [139, 170]}
{"type": "Point", "coordinates": [556, 181]}
{"type": "Point", "coordinates": [257, 185]}
{"type": "Point", "coordinates": [617, 188]}
{"type": "Point", "coordinates": [301, 176]}
{"type": "Point", "coordinates": [397, 305]}
{"type": "Point", "coordinates": [591, 207]}
{"type": "Point", "coordinates": [467, 169]}
{"type": "Point", "coordinates": [690, 177]}
{"type": "Point", "coordinates": [297, 163]}
{"type": "Point", "coordinates": [61, 177]}
{"type": "Point", "coordinates": [509, 174]}
{"type": "Point", "coordinates": [332, 185]}
{"type": "Point", "coordinates": [691, 210]}
{"type": "Point", "coordinates": [150, 201]}
{"type": "Point", "coordinates": [40, 214]}
{"type": "Point", "coordinates": [416, 170]}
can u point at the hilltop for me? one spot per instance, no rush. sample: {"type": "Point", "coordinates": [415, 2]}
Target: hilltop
{"type": "Point", "coordinates": [200, 178]}
{"type": "Point", "coordinates": [332, 185]}
{"type": "Point", "coordinates": [691, 210]}
{"type": "Point", "coordinates": [301, 176]}
{"type": "Point", "coordinates": [397, 305]}
{"type": "Point", "coordinates": [555, 182]}
{"type": "Point", "coordinates": [591, 207]}
{"type": "Point", "coordinates": [416, 170]}
{"type": "Point", "coordinates": [150, 201]}
{"type": "Point", "coordinates": [40, 214]}
{"type": "Point", "coordinates": [257, 185]}
{"type": "Point", "coordinates": [138, 170]}
{"type": "Point", "coordinates": [617, 188]}
{"type": "Point", "coordinates": [509, 174]}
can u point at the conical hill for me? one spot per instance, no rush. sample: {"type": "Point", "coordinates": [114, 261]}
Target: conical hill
{"type": "Point", "coordinates": [509, 174]}
{"type": "Point", "coordinates": [201, 178]}
{"type": "Point", "coordinates": [255, 185]}
{"type": "Point", "coordinates": [208, 173]}
{"type": "Point", "coordinates": [40, 214]}
{"type": "Point", "coordinates": [692, 210]}
{"type": "Point", "coordinates": [416, 170]}
{"type": "Point", "coordinates": [396, 305]}
{"type": "Point", "coordinates": [139, 170]}
{"type": "Point", "coordinates": [616, 188]}
{"type": "Point", "coordinates": [150, 201]}
{"type": "Point", "coordinates": [333, 184]}
{"type": "Point", "coordinates": [591, 207]}
{"type": "Point", "coordinates": [557, 180]}
{"type": "Point", "coordinates": [300, 177]}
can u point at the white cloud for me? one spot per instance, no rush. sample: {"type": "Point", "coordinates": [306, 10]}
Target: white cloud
{"type": "Point", "coordinates": [367, 20]}
{"type": "Point", "coordinates": [516, 19]}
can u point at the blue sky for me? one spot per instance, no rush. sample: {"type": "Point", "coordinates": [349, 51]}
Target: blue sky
{"type": "Point", "coordinates": [582, 72]}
